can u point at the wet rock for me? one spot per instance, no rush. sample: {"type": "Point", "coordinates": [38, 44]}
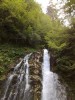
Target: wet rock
{"type": "Point", "coordinates": [14, 79]}
{"type": "Point", "coordinates": [35, 74]}
{"type": "Point", "coordinates": [12, 69]}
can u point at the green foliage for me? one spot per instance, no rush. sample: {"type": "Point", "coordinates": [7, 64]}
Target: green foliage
{"type": "Point", "coordinates": [66, 57]}
{"type": "Point", "coordinates": [70, 7]}
{"type": "Point", "coordinates": [21, 23]}
{"type": "Point", "coordinates": [55, 37]}
{"type": "Point", "coordinates": [61, 41]}
{"type": "Point", "coordinates": [8, 55]}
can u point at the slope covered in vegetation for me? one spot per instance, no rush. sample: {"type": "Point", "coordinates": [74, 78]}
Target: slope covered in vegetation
{"type": "Point", "coordinates": [62, 42]}
{"type": "Point", "coordinates": [23, 23]}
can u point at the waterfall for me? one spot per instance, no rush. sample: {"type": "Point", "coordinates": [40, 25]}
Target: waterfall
{"type": "Point", "coordinates": [52, 89]}
{"type": "Point", "coordinates": [17, 86]}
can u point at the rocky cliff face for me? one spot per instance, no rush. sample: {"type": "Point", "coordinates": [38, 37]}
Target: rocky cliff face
{"type": "Point", "coordinates": [35, 74]}
{"type": "Point", "coordinates": [35, 77]}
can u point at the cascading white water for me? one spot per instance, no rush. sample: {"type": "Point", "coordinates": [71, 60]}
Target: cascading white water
{"type": "Point", "coordinates": [52, 89]}
{"type": "Point", "coordinates": [27, 71]}
{"type": "Point", "coordinates": [17, 87]}
{"type": "Point", "coordinates": [27, 75]}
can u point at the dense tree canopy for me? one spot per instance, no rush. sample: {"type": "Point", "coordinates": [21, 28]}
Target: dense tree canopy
{"type": "Point", "coordinates": [22, 21]}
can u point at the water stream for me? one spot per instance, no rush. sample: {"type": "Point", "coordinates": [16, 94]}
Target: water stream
{"type": "Point", "coordinates": [52, 88]}
{"type": "Point", "coordinates": [17, 86]}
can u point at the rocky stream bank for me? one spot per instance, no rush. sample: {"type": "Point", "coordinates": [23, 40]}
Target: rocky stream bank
{"type": "Point", "coordinates": [35, 74]}
{"type": "Point", "coordinates": [35, 77]}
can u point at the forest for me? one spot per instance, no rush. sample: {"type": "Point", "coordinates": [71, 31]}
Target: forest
{"type": "Point", "coordinates": [24, 27]}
